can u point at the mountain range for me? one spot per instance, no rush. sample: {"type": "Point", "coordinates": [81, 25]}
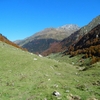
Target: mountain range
{"type": "Point", "coordinates": [53, 40]}
{"type": "Point", "coordinates": [73, 38]}
{"type": "Point", "coordinates": [42, 40]}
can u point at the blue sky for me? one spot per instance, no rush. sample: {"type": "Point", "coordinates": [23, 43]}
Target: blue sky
{"type": "Point", "coordinates": [22, 18]}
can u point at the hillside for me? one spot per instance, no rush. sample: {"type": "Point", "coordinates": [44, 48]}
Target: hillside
{"type": "Point", "coordinates": [42, 40]}
{"type": "Point", "coordinates": [89, 45]}
{"type": "Point", "coordinates": [5, 40]}
{"type": "Point", "coordinates": [92, 38]}
{"type": "Point", "coordinates": [73, 38]}
{"type": "Point", "coordinates": [25, 76]}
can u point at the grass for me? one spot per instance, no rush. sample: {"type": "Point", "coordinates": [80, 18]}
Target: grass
{"type": "Point", "coordinates": [25, 76]}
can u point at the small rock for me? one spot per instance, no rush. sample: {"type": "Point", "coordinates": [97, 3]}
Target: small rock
{"type": "Point", "coordinates": [55, 85]}
{"type": "Point", "coordinates": [56, 93]}
{"type": "Point", "coordinates": [73, 63]}
{"type": "Point", "coordinates": [92, 99]}
{"type": "Point", "coordinates": [31, 53]}
{"type": "Point", "coordinates": [49, 79]}
{"type": "Point", "coordinates": [45, 98]}
{"type": "Point", "coordinates": [82, 68]}
{"type": "Point", "coordinates": [73, 97]}
{"type": "Point", "coordinates": [40, 55]}
{"type": "Point", "coordinates": [35, 58]}
{"type": "Point", "coordinates": [51, 67]}
{"type": "Point", "coordinates": [67, 91]}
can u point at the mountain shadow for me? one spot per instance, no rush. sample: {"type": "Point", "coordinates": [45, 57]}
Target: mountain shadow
{"type": "Point", "coordinates": [39, 45]}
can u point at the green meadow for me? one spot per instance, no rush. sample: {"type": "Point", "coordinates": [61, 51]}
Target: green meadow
{"type": "Point", "coordinates": [26, 76]}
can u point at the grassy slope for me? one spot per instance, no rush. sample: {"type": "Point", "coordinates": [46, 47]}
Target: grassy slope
{"type": "Point", "coordinates": [22, 77]}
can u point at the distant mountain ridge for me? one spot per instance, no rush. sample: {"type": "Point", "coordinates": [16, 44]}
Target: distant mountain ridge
{"type": "Point", "coordinates": [47, 36]}
{"type": "Point", "coordinates": [53, 33]}
{"type": "Point", "coordinates": [69, 27]}
{"type": "Point", "coordinates": [73, 38]}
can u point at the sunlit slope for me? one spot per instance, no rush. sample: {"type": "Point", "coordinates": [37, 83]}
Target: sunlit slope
{"type": "Point", "coordinates": [25, 76]}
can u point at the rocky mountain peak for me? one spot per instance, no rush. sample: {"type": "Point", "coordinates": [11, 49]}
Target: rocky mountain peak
{"type": "Point", "coordinates": [69, 27]}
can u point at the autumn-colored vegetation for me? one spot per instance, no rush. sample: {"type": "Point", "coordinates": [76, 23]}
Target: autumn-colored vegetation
{"type": "Point", "coordinates": [60, 46]}
{"type": "Point", "coordinates": [89, 45]}
{"type": "Point", "coordinates": [4, 39]}
{"type": "Point", "coordinates": [54, 48]}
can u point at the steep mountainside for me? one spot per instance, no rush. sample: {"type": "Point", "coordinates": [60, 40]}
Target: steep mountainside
{"type": "Point", "coordinates": [89, 45]}
{"type": "Point", "coordinates": [43, 39]}
{"type": "Point", "coordinates": [4, 39]}
{"type": "Point", "coordinates": [90, 39]}
{"type": "Point", "coordinates": [73, 38]}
